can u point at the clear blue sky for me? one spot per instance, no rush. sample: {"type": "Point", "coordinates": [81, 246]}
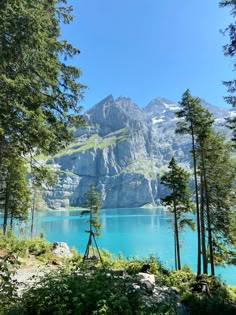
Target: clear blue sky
{"type": "Point", "coordinates": [147, 48]}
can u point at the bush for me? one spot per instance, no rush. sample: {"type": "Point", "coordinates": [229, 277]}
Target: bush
{"type": "Point", "coordinates": [8, 287]}
{"type": "Point", "coordinates": [38, 246]}
{"type": "Point", "coordinates": [23, 247]}
{"type": "Point", "coordinates": [220, 300]}
{"type": "Point", "coordinates": [99, 292]}
{"type": "Point", "coordinates": [180, 279]}
{"type": "Point", "coordinates": [199, 304]}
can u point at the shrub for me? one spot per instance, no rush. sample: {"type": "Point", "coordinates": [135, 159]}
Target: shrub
{"type": "Point", "coordinates": [220, 299]}
{"type": "Point", "coordinates": [87, 293]}
{"type": "Point", "coordinates": [38, 246]}
{"type": "Point", "coordinates": [8, 287]}
{"type": "Point", "coordinates": [23, 247]}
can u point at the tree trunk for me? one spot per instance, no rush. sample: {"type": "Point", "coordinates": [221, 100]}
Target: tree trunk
{"type": "Point", "coordinates": [208, 218]}
{"type": "Point", "coordinates": [177, 237]}
{"type": "Point", "coordinates": [6, 210]}
{"type": "Point", "coordinates": [203, 231]}
{"type": "Point", "coordinates": [197, 205]}
{"type": "Point", "coordinates": [11, 222]}
{"type": "Point", "coordinates": [175, 250]}
{"type": "Point", "coordinates": [32, 217]}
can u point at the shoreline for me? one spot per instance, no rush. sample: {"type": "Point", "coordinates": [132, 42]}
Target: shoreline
{"type": "Point", "coordinates": [82, 209]}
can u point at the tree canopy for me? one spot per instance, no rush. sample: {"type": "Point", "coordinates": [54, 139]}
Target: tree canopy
{"type": "Point", "coordinates": [39, 88]}
{"type": "Point", "coordinates": [230, 51]}
{"type": "Point", "coordinates": [178, 201]}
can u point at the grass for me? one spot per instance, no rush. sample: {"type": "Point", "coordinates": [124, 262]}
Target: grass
{"type": "Point", "coordinates": [95, 142]}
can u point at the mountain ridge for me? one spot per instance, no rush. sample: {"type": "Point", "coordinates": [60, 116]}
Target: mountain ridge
{"type": "Point", "coordinates": [123, 151]}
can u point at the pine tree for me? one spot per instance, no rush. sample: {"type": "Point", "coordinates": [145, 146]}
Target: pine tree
{"type": "Point", "coordinates": [15, 192]}
{"type": "Point", "coordinates": [186, 125]}
{"type": "Point", "coordinates": [39, 91]}
{"type": "Point", "coordinates": [92, 204]}
{"type": "Point", "coordinates": [230, 51]}
{"type": "Point", "coordinates": [210, 155]}
{"type": "Point", "coordinates": [39, 88]}
{"type": "Point", "coordinates": [220, 170]}
{"type": "Point", "coordinates": [203, 128]}
{"type": "Point", "coordinates": [178, 201]}
{"type": "Point", "coordinates": [197, 121]}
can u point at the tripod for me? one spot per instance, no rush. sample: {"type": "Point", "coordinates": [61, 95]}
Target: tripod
{"type": "Point", "coordinates": [92, 258]}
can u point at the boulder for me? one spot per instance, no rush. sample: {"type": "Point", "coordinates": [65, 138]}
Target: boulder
{"type": "Point", "coordinates": [147, 281]}
{"type": "Point", "coordinates": [61, 249]}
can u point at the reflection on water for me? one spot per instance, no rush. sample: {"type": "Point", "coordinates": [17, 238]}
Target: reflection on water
{"type": "Point", "coordinates": [133, 232]}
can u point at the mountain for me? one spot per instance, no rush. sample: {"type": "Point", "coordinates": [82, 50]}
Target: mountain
{"type": "Point", "coordinates": [123, 150]}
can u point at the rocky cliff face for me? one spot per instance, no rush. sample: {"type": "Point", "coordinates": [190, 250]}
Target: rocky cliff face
{"type": "Point", "coordinates": [123, 151]}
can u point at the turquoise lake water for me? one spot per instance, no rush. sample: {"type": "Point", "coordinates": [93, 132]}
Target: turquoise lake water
{"type": "Point", "coordinates": [133, 232]}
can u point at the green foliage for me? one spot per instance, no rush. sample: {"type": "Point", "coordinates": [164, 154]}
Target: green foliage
{"type": "Point", "coordinates": [220, 168]}
{"type": "Point", "coordinates": [214, 177]}
{"type": "Point", "coordinates": [23, 247]}
{"type": "Point", "coordinates": [86, 293]}
{"type": "Point", "coordinates": [178, 201]}
{"type": "Point", "coordinates": [230, 51]}
{"type": "Point", "coordinates": [182, 279]}
{"type": "Point", "coordinates": [39, 90]}
{"type": "Point", "coordinates": [176, 179]}
{"type": "Point", "coordinates": [188, 114]}
{"type": "Point", "coordinates": [38, 246]}
{"type": "Point", "coordinates": [14, 191]}
{"type": "Point", "coordinates": [76, 290]}
{"type": "Point", "coordinates": [131, 265]}
{"type": "Point", "coordinates": [8, 286]}
{"type": "Point", "coordinates": [93, 204]}
{"type": "Point", "coordinates": [219, 300]}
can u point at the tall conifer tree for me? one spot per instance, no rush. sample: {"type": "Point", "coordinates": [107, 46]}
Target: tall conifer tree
{"type": "Point", "coordinates": [186, 125]}
{"type": "Point", "coordinates": [39, 88]}
{"type": "Point", "coordinates": [178, 201]}
{"type": "Point", "coordinates": [220, 170]}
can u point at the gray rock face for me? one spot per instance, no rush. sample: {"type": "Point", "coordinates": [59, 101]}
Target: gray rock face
{"type": "Point", "coordinates": [123, 151]}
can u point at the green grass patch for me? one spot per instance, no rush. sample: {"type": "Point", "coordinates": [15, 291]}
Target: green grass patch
{"type": "Point", "coordinates": [95, 142]}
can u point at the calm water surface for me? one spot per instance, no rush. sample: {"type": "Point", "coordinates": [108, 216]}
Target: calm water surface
{"type": "Point", "coordinates": [133, 232]}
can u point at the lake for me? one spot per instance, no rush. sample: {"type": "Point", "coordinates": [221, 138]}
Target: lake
{"type": "Point", "coordinates": [133, 232]}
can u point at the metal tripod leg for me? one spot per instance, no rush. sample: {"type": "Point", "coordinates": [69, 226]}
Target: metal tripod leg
{"type": "Point", "coordinates": [87, 247]}
{"type": "Point", "coordinates": [97, 248]}
{"type": "Point", "coordinates": [86, 255]}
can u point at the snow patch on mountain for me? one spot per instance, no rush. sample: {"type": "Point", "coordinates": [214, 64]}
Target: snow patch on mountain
{"type": "Point", "coordinates": [171, 106]}
{"type": "Point", "coordinates": [156, 120]}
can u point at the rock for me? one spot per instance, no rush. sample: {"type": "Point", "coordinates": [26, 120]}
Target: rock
{"type": "Point", "coordinates": [61, 249]}
{"type": "Point", "coordinates": [147, 281]}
